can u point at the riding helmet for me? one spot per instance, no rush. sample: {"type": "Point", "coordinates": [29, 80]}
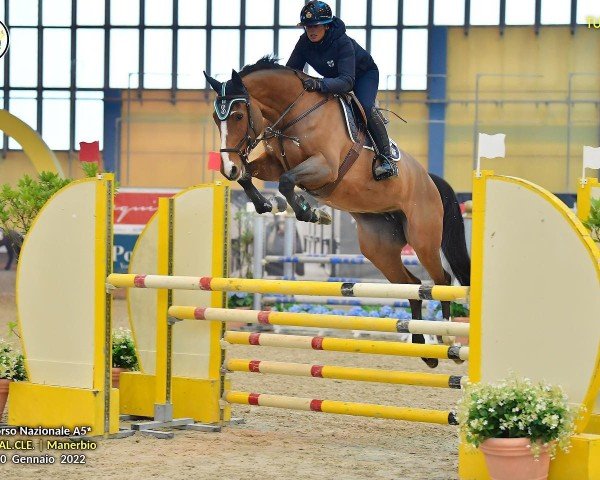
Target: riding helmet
{"type": "Point", "coordinates": [315, 12]}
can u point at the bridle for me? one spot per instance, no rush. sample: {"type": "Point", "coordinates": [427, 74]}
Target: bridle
{"type": "Point", "coordinates": [223, 104]}
{"type": "Point", "coordinates": [244, 147]}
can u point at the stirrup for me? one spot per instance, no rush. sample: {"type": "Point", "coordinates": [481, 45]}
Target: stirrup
{"type": "Point", "coordinates": [383, 168]}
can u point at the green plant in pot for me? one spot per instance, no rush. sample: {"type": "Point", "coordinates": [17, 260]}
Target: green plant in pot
{"type": "Point", "coordinates": [124, 357]}
{"type": "Point", "coordinates": [593, 221]}
{"type": "Point", "coordinates": [517, 424]}
{"type": "Point", "coordinates": [12, 368]}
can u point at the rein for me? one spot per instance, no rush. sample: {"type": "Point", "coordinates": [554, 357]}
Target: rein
{"type": "Point", "coordinates": [223, 109]}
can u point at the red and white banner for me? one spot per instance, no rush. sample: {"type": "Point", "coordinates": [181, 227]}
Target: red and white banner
{"type": "Point", "coordinates": [135, 206]}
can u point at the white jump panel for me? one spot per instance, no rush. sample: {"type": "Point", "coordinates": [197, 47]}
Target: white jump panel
{"type": "Point", "coordinates": [542, 292]}
{"type": "Point", "coordinates": [192, 252]}
{"type": "Point", "coordinates": [56, 306]}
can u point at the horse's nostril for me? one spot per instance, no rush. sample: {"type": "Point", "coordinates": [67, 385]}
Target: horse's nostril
{"type": "Point", "coordinates": [233, 172]}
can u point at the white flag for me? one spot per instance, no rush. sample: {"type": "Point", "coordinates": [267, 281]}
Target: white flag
{"type": "Point", "coordinates": [491, 146]}
{"type": "Point", "coordinates": [591, 157]}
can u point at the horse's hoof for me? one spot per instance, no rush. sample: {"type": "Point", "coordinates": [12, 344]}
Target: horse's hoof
{"type": "Point", "coordinates": [447, 339]}
{"type": "Point", "coordinates": [323, 218]}
{"type": "Point", "coordinates": [431, 362]}
{"type": "Point", "coordinates": [264, 208]}
{"type": "Point", "coordinates": [278, 204]}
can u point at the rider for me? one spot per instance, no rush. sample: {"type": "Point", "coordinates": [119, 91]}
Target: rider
{"type": "Point", "coordinates": [346, 66]}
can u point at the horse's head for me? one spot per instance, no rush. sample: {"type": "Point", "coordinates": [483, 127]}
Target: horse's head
{"type": "Point", "coordinates": [239, 121]}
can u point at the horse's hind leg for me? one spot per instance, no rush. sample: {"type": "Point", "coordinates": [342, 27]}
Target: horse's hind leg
{"type": "Point", "coordinates": [381, 240]}
{"type": "Point", "coordinates": [424, 234]}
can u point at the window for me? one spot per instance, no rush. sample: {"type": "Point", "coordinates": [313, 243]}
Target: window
{"type": "Point", "coordinates": [125, 12]}
{"type": "Point", "coordinates": [158, 58]}
{"type": "Point", "coordinates": [192, 12]}
{"type": "Point", "coordinates": [485, 12]}
{"type": "Point", "coordinates": [226, 13]}
{"type": "Point", "coordinates": [354, 12]}
{"type": "Point", "coordinates": [520, 12]}
{"type": "Point", "coordinates": [89, 118]}
{"type": "Point", "coordinates": [191, 59]}
{"type": "Point", "coordinates": [416, 12]}
{"type": "Point", "coordinates": [56, 13]}
{"type": "Point", "coordinates": [449, 12]}
{"type": "Point", "coordinates": [23, 12]}
{"type": "Point", "coordinates": [260, 12]}
{"type": "Point", "coordinates": [57, 57]}
{"type": "Point", "coordinates": [159, 12]}
{"type": "Point", "coordinates": [56, 104]}
{"type": "Point", "coordinates": [383, 49]}
{"type": "Point", "coordinates": [287, 41]}
{"type": "Point", "coordinates": [23, 104]}
{"type": "Point", "coordinates": [90, 13]}
{"type": "Point", "coordinates": [289, 11]}
{"type": "Point", "coordinates": [221, 65]}
{"type": "Point", "coordinates": [90, 58]}
{"type": "Point", "coordinates": [124, 67]}
{"type": "Point", "coordinates": [384, 12]}
{"type": "Point", "coordinates": [414, 59]}
{"type": "Point", "coordinates": [360, 35]}
{"type": "Point", "coordinates": [556, 12]}
{"type": "Point", "coordinates": [258, 44]}
{"type": "Point", "coordinates": [23, 57]}
{"type": "Point", "coordinates": [586, 8]}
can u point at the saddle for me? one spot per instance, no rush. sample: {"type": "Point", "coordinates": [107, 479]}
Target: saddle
{"type": "Point", "coordinates": [355, 114]}
{"type": "Point", "coordinates": [356, 123]}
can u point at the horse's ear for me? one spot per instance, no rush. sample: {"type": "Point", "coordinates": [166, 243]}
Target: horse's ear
{"type": "Point", "coordinates": [215, 84]}
{"type": "Point", "coordinates": [236, 80]}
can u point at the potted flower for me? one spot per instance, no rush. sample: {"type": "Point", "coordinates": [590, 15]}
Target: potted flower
{"type": "Point", "coordinates": [12, 368]}
{"type": "Point", "coordinates": [593, 221]}
{"type": "Point", "coordinates": [517, 424]}
{"type": "Point", "coordinates": [124, 357]}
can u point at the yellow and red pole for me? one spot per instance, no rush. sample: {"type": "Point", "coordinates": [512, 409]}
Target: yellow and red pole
{"type": "Point", "coordinates": [345, 373]}
{"type": "Point", "coordinates": [347, 345]}
{"type": "Point", "coordinates": [341, 408]}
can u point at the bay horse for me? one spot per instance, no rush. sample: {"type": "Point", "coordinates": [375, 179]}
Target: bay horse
{"type": "Point", "coordinates": [306, 144]}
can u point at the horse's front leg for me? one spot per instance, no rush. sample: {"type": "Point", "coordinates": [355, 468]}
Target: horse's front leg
{"type": "Point", "coordinates": [263, 167]}
{"type": "Point", "coordinates": [315, 171]}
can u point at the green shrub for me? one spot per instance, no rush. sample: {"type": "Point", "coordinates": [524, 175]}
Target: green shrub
{"type": "Point", "coordinates": [12, 366]}
{"type": "Point", "coordinates": [458, 310]}
{"type": "Point", "coordinates": [593, 221]}
{"type": "Point", "coordinates": [123, 350]}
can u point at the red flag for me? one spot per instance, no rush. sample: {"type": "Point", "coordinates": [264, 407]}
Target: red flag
{"type": "Point", "coordinates": [214, 161]}
{"type": "Point", "coordinates": [89, 152]}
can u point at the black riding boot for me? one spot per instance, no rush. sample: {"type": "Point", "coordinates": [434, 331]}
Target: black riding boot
{"type": "Point", "coordinates": [383, 165]}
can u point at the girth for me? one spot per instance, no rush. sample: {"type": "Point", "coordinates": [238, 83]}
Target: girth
{"type": "Point", "coordinates": [346, 165]}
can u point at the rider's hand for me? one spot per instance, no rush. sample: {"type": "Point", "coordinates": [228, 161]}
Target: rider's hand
{"type": "Point", "coordinates": [313, 84]}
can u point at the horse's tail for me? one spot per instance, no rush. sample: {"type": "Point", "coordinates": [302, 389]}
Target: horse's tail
{"type": "Point", "coordinates": [454, 244]}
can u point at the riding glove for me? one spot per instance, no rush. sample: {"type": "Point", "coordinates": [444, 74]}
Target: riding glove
{"type": "Point", "coordinates": [313, 85]}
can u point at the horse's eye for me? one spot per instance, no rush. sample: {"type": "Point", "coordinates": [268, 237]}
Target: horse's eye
{"type": "Point", "coordinates": [239, 116]}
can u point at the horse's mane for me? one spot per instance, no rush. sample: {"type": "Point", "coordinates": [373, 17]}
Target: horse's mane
{"type": "Point", "coordinates": [268, 62]}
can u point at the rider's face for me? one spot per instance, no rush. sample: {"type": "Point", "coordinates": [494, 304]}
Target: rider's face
{"type": "Point", "coordinates": [316, 33]}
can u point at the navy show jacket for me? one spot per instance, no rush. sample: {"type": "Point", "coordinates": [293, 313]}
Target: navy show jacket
{"type": "Point", "coordinates": [337, 57]}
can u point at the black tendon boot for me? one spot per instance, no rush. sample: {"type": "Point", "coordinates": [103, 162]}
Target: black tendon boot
{"type": "Point", "coordinates": [383, 165]}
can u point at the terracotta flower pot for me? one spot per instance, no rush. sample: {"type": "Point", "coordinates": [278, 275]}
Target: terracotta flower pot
{"type": "Point", "coordinates": [116, 373]}
{"type": "Point", "coordinates": [511, 459]}
{"type": "Point", "coordinates": [3, 394]}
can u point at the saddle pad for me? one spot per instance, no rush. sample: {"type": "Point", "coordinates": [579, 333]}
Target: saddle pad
{"type": "Point", "coordinates": [352, 128]}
